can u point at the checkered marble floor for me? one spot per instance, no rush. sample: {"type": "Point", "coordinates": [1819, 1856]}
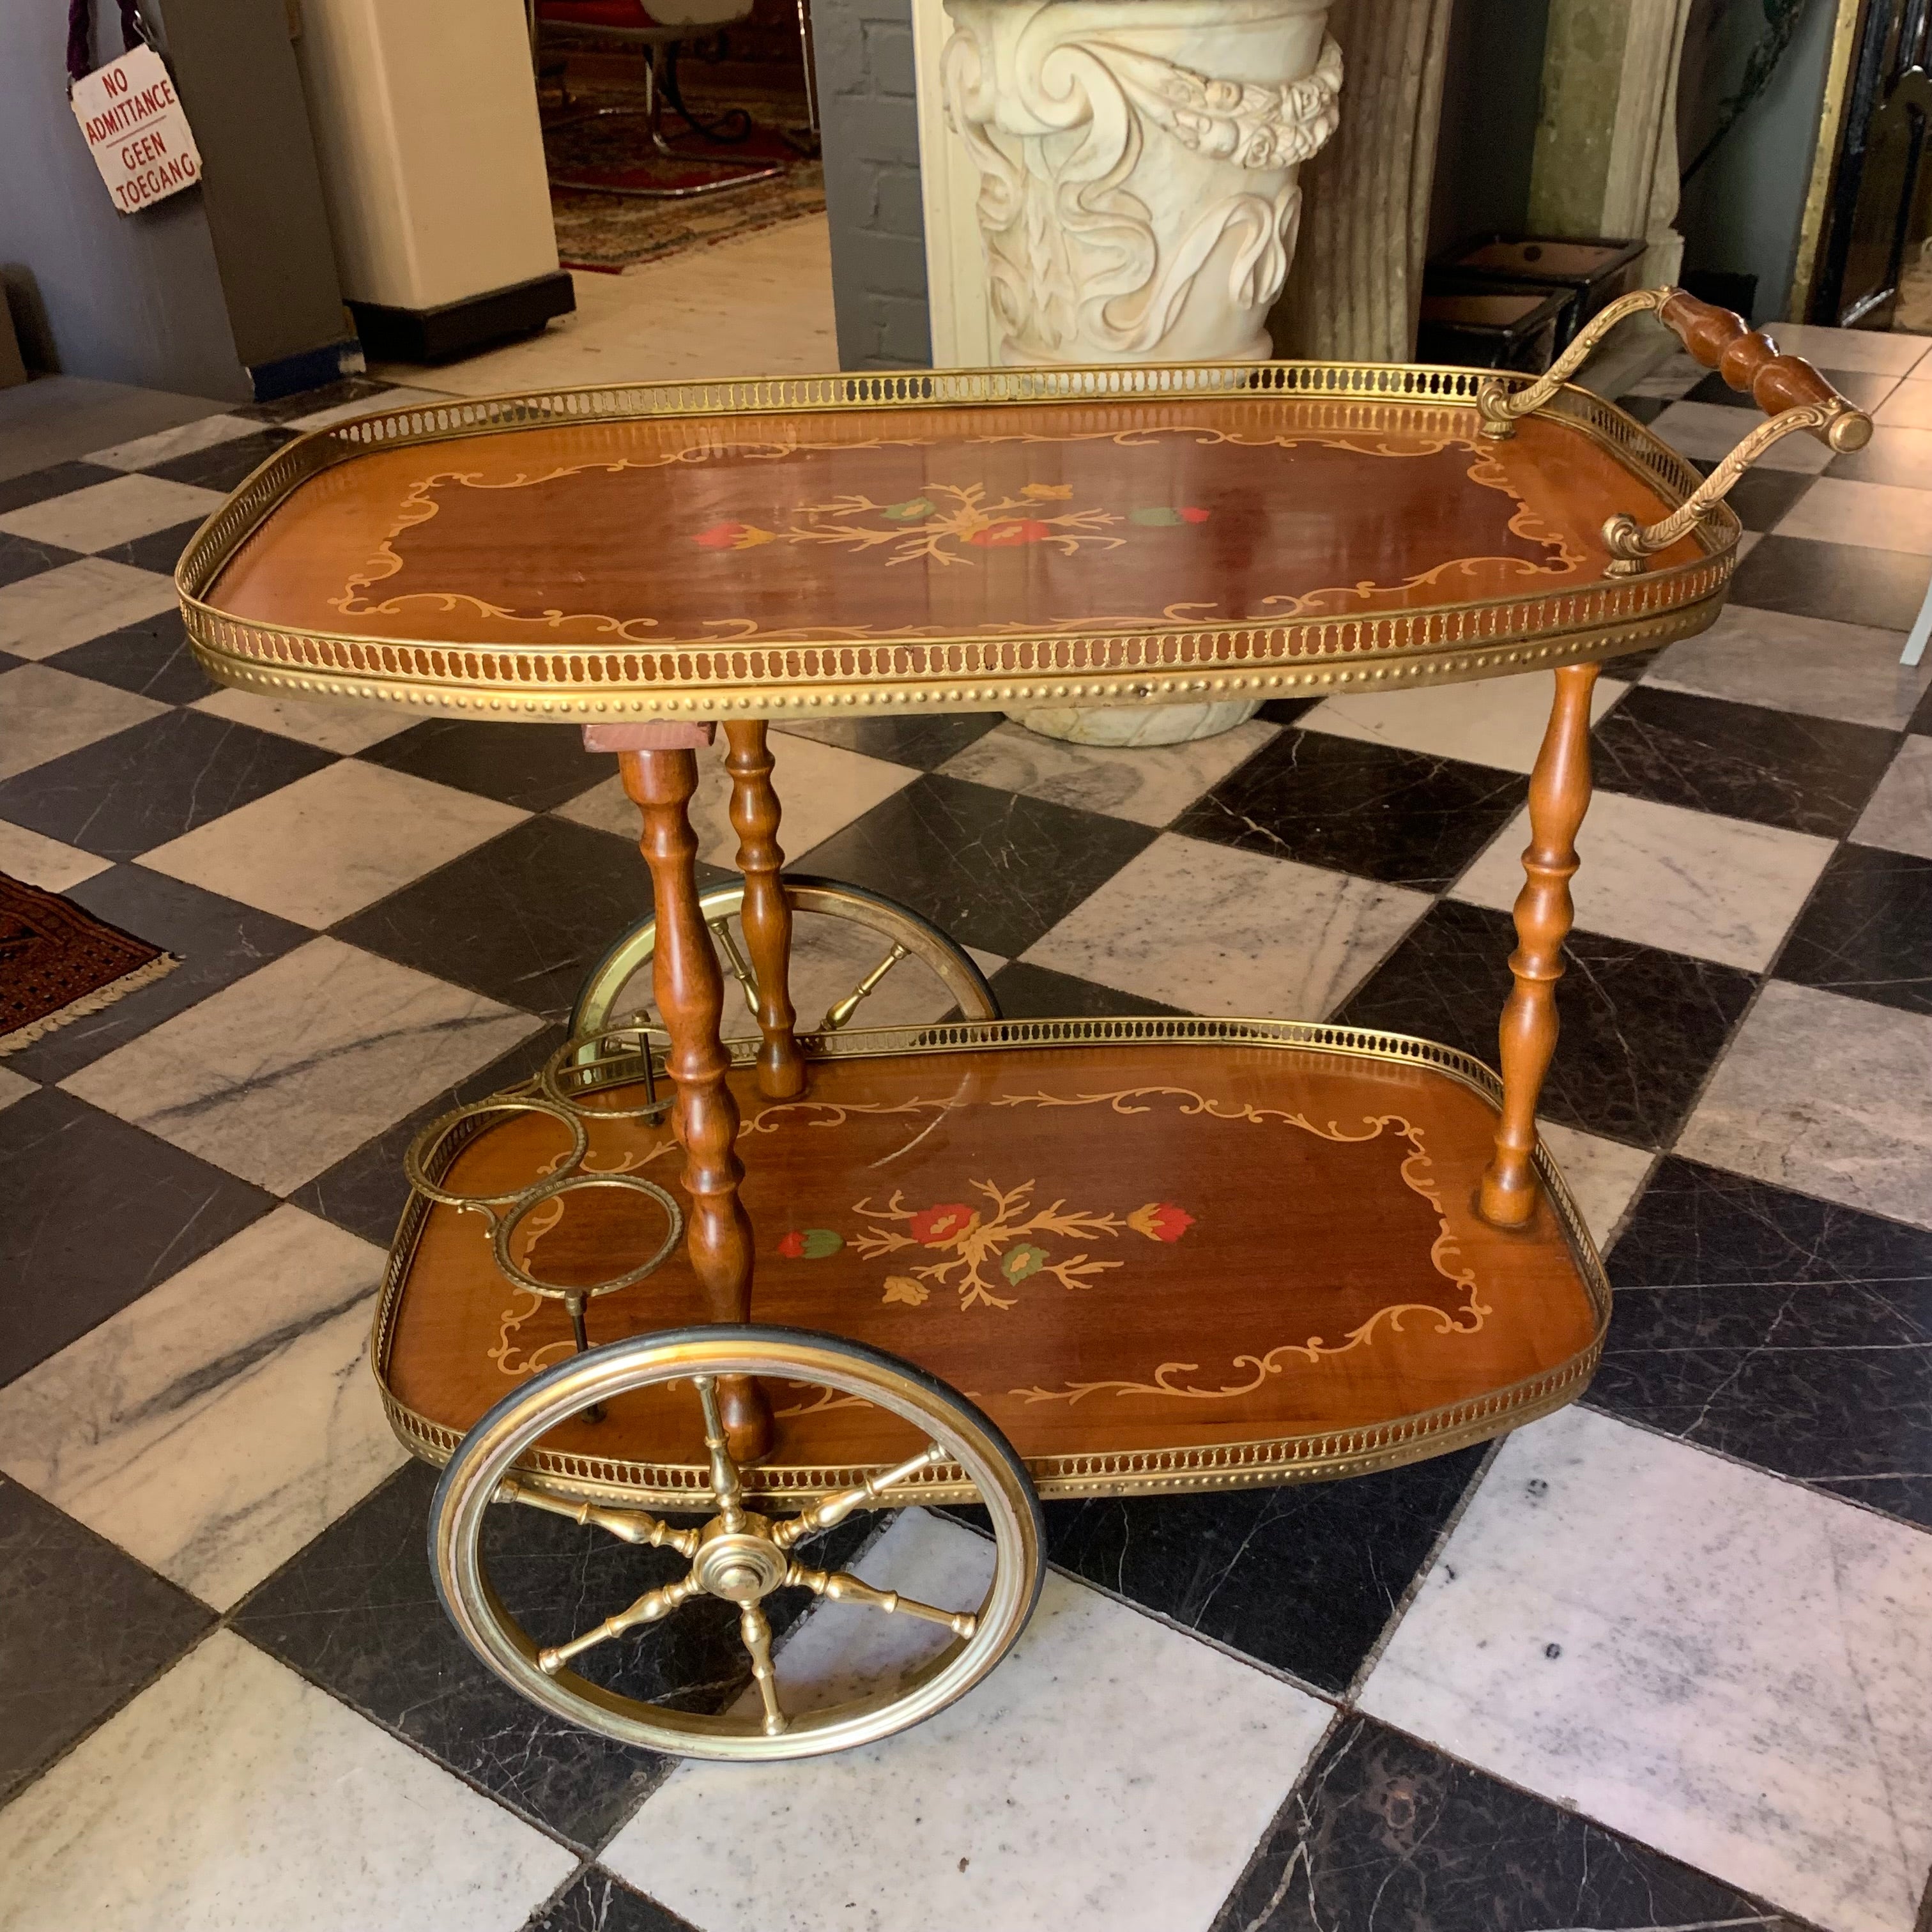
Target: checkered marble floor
{"type": "Point", "coordinates": [1658, 1661]}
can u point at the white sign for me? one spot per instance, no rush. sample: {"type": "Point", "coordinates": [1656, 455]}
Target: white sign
{"type": "Point", "coordinates": [136, 130]}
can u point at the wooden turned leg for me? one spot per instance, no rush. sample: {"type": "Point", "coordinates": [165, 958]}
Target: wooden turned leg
{"type": "Point", "coordinates": [1559, 789]}
{"type": "Point", "coordinates": [766, 918]}
{"type": "Point", "coordinates": [690, 998]}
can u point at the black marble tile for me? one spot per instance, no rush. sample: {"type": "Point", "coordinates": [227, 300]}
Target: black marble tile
{"type": "Point", "coordinates": [927, 742]}
{"type": "Point", "coordinates": [1286, 710]}
{"type": "Point", "coordinates": [61, 479]}
{"type": "Point", "coordinates": [1034, 993]}
{"type": "Point", "coordinates": [87, 1627]}
{"type": "Point", "coordinates": [1761, 497]}
{"type": "Point", "coordinates": [1641, 1027]}
{"type": "Point", "coordinates": [522, 918]}
{"type": "Point", "coordinates": [8, 662]}
{"type": "Point", "coordinates": [21, 557]}
{"type": "Point", "coordinates": [357, 1612]}
{"type": "Point", "coordinates": [1889, 458]}
{"type": "Point", "coordinates": [1384, 1835]}
{"type": "Point", "coordinates": [1405, 818]}
{"type": "Point", "coordinates": [223, 465]}
{"type": "Point", "coordinates": [307, 402]}
{"type": "Point", "coordinates": [1866, 931]}
{"type": "Point", "coordinates": [1921, 720]}
{"type": "Point", "coordinates": [159, 550]}
{"type": "Point", "coordinates": [1304, 1577]}
{"type": "Point", "coordinates": [532, 766]}
{"type": "Point", "coordinates": [364, 1192]}
{"type": "Point", "coordinates": [97, 1212]}
{"type": "Point", "coordinates": [596, 1902]}
{"type": "Point", "coordinates": [990, 868]}
{"type": "Point", "coordinates": [1707, 754]}
{"type": "Point", "coordinates": [151, 658]}
{"type": "Point", "coordinates": [1859, 386]}
{"type": "Point", "coordinates": [124, 795]}
{"type": "Point", "coordinates": [1846, 583]}
{"type": "Point", "coordinates": [1643, 409]}
{"type": "Point", "coordinates": [217, 941]}
{"type": "Point", "coordinates": [1789, 1332]}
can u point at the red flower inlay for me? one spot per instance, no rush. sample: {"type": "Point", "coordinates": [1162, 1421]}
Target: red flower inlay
{"type": "Point", "coordinates": [792, 1246]}
{"type": "Point", "coordinates": [720, 536]}
{"type": "Point", "coordinates": [1007, 536]}
{"type": "Point", "coordinates": [1161, 1221]}
{"type": "Point", "coordinates": [1192, 514]}
{"type": "Point", "coordinates": [934, 1227]}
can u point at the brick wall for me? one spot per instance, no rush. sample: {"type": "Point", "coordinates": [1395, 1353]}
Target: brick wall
{"type": "Point", "coordinates": [870, 131]}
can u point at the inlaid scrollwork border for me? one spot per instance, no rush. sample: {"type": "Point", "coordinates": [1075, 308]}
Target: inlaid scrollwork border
{"type": "Point", "coordinates": [1152, 664]}
{"type": "Point", "coordinates": [1309, 1458]}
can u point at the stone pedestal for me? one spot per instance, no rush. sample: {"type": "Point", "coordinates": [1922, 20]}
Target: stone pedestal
{"type": "Point", "coordinates": [1605, 159]}
{"type": "Point", "coordinates": [1139, 200]}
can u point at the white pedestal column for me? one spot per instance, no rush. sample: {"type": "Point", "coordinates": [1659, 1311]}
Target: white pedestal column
{"type": "Point", "coordinates": [1139, 200]}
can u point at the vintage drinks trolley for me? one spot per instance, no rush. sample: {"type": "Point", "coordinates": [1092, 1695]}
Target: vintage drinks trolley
{"type": "Point", "coordinates": [994, 1260]}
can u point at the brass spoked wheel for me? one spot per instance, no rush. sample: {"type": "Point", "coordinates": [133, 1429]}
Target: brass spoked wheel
{"type": "Point", "coordinates": [738, 1555]}
{"type": "Point", "coordinates": [850, 949]}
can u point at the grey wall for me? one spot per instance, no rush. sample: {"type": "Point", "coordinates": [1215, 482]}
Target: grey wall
{"type": "Point", "coordinates": [1741, 210]}
{"type": "Point", "coordinates": [187, 295]}
{"type": "Point", "coordinates": [863, 50]}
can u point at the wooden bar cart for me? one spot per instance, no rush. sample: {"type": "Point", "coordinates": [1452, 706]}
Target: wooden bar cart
{"type": "Point", "coordinates": [994, 1261]}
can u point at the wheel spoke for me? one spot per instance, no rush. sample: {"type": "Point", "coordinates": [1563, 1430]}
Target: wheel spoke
{"type": "Point", "coordinates": [842, 1587]}
{"type": "Point", "coordinates": [834, 1509]}
{"type": "Point", "coordinates": [651, 1607]}
{"type": "Point", "coordinates": [741, 970]}
{"type": "Point", "coordinates": [724, 1483]}
{"type": "Point", "coordinates": [757, 1632]}
{"type": "Point", "coordinates": [628, 1525]}
{"type": "Point", "coordinates": [840, 1013]}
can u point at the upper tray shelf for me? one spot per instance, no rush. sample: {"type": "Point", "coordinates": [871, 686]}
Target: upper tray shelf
{"type": "Point", "coordinates": [959, 540]}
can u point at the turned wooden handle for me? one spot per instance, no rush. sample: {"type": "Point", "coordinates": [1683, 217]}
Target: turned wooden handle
{"type": "Point", "coordinates": [1748, 360]}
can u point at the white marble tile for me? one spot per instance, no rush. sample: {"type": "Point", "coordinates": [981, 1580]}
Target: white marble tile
{"type": "Point", "coordinates": [1687, 881]}
{"type": "Point", "coordinates": [58, 608]}
{"type": "Point", "coordinates": [821, 789]}
{"type": "Point", "coordinates": [114, 512]}
{"type": "Point", "coordinates": [45, 712]}
{"type": "Point", "coordinates": [281, 1074]}
{"type": "Point", "coordinates": [1709, 430]}
{"type": "Point", "coordinates": [399, 397]}
{"type": "Point", "coordinates": [1878, 516]}
{"type": "Point", "coordinates": [344, 727]}
{"type": "Point", "coordinates": [43, 862]}
{"type": "Point", "coordinates": [1909, 407]}
{"type": "Point", "coordinates": [1496, 722]}
{"type": "Point", "coordinates": [1725, 1665]}
{"type": "Point", "coordinates": [221, 1422]}
{"type": "Point", "coordinates": [14, 1086]}
{"type": "Point", "coordinates": [1796, 664]}
{"type": "Point", "coordinates": [1212, 930]}
{"type": "Point", "coordinates": [184, 440]}
{"type": "Point", "coordinates": [1602, 1175]}
{"type": "Point", "coordinates": [233, 1796]}
{"type": "Point", "coordinates": [1828, 1095]}
{"type": "Point", "coordinates": [326, 846]}
{"type": "Point", "coordinates": [1859, 349]}
{"type": "Point", "coordinates": [1898, 815]}
{"type": "Point", "coordinates": [1747, 542]}
{"type": "Point", "coordinates": [754, 304]}
{"type": "Point", "coordinates": [1112, 1775]}
{"type": "Point", "coordinates": [1682, 372]}
{"type": "Point", "coordinates": [1152, 786]}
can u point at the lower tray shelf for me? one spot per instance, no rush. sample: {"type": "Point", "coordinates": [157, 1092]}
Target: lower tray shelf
{"type": "Point", "coordinates": [1162, 1255]}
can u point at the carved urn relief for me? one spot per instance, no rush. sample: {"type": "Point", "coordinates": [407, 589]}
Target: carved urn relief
{"type": "Point", "coordinates": [1138, 200]}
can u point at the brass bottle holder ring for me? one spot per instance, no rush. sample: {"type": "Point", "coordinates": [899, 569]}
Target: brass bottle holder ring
{"type": "Point", "coordinates": [553, 1093]}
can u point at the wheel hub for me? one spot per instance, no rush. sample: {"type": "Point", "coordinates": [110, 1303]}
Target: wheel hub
{"type": "Point", "coordinates": [740, 1564]}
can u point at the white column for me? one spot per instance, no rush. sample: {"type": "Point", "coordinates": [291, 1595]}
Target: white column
{"type": "Point", "coordinates": [1139, 200]}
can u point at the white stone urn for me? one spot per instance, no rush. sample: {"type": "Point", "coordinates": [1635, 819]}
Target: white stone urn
{"type": "Point", "coordinates": [1138, 200]}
